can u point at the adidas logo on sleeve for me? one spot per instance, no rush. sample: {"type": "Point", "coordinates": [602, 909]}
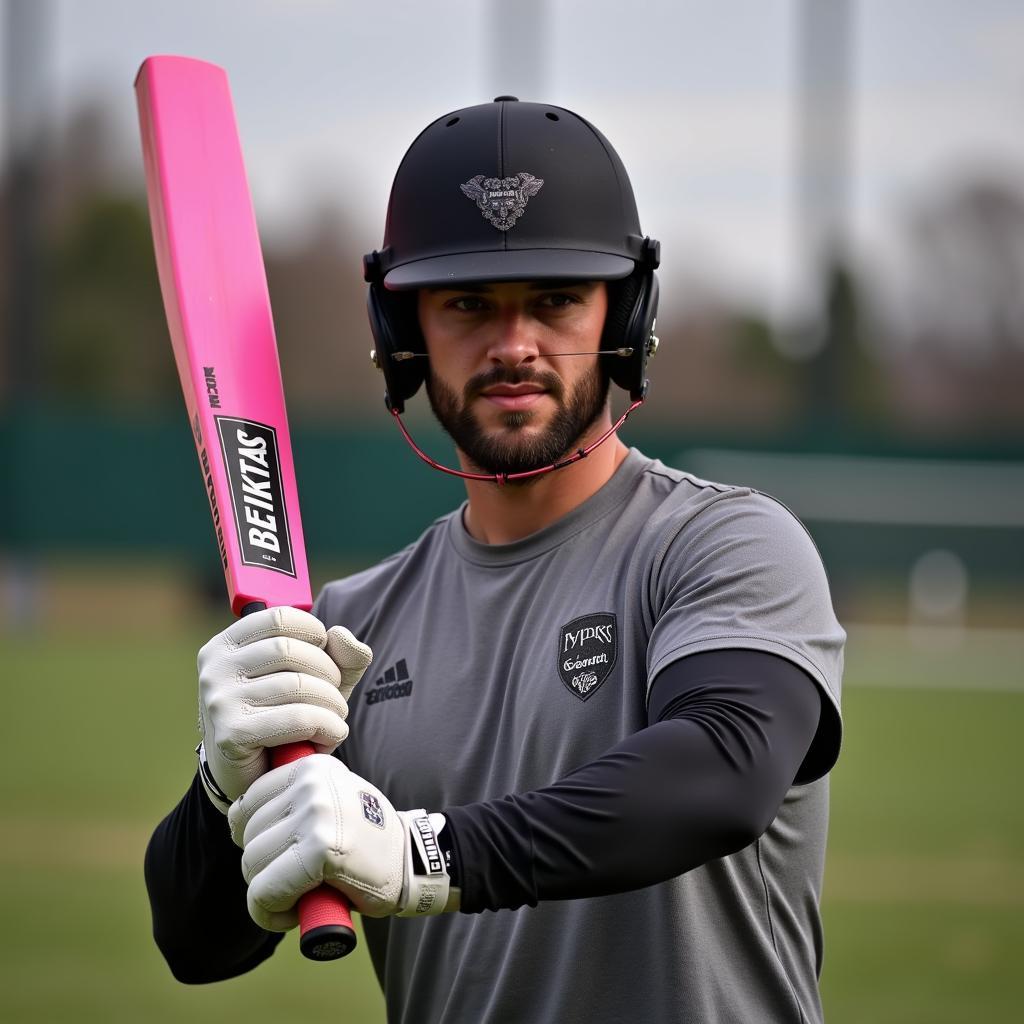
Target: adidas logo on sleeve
{"type": "Point", "coordinates": [394, 683]}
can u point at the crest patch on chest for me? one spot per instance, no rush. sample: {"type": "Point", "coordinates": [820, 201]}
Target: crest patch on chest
{"type": "Point", "coordinates": [588, 648]}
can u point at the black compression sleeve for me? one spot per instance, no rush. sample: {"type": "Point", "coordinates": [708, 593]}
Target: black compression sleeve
{"type": "Point", "coordinates": [197, 895]}
{"type": "Point", "coordinates": [727, 733]}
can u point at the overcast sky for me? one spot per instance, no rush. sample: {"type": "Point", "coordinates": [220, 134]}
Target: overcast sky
{"type": "Point", "coordinates": [700, 100]}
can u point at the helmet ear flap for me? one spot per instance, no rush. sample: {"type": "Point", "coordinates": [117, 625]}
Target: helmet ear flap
{"type": "Point", "coordinates": [395, 326]}
{"type": "Point", "coordinates": [629, 324]}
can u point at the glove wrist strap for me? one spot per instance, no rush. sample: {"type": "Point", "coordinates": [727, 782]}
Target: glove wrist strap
{"type": "Point", "coordinates": [426, 888]}
{"type": "Point", "coordinates": [217, 796]}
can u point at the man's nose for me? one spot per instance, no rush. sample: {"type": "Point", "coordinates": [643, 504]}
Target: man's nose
{"type": "Point", "coordinates": [515, 339]}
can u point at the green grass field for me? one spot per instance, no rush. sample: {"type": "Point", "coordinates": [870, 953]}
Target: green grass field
{"type": "Point", "coordinates": [924, 886]}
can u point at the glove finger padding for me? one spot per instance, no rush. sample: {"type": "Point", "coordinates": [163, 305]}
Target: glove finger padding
{"type": "Point", "coordinates": [274, 677]}
{"type": "Point", "coordinates": [270, 622]}
{"type": "Point", "coordinates": [273, 905]}
{"type": "Point", "coordinates": [313, 821]}
{"type": "Point", "coordinates": [267, 656]}
{"type": "Point", "coordinates": [282, 708]}
{"type": "Point", "coordinates": [350, 655]}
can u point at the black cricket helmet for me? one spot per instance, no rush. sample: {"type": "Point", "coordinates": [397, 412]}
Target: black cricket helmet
{"type": "Point", "coordinates": [510, 191]}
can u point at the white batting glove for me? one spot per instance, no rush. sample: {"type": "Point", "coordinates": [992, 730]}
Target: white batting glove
{"type": "Point", "coordinates": [276, 676]}
{"type": "Point", "coordinates": [314, 821]}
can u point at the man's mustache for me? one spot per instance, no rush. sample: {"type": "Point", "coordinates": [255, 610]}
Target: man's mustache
{"type": "Point", "coordinates": [545, 379]}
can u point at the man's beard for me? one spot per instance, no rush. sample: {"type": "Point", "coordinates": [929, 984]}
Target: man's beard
{"type": "Point", "coordinates": [512, 452]}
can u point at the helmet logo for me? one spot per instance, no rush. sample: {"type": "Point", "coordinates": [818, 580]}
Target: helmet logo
{"type": "Point", "coordinates": [502, 200]}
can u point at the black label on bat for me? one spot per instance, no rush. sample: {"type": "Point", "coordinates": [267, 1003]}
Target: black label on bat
{"type": "Point", "coordinates": [257, 494]}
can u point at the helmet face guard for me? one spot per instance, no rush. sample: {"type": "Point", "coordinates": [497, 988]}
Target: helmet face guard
{"type": "Point", "coordinates": [510, 191]}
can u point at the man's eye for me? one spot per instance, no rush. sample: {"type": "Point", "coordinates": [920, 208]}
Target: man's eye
{"type": "Point", "coordinates": [466, 304]}
{"type": "Point", "coordinates": [557, 300]}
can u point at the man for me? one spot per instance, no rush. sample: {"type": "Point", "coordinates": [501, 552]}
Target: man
{"type": "Point", "coordinates": [587, 778]}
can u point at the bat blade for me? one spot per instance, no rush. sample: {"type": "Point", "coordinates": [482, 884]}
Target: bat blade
{"type": "Point", "coordinates": [218, 312]}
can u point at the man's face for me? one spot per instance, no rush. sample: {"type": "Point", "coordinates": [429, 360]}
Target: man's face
{"type": "Point", "coordinates": [498, 381]}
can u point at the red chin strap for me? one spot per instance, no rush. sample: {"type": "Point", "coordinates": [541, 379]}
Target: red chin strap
{"type": "Point", "coordinates": [504, 478]}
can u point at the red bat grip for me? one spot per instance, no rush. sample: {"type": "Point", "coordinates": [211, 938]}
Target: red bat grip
{"type": "Point", "coordinates": [325, 916]}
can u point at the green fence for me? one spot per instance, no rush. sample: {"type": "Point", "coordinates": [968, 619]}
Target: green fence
{"type": "Point", "coordinates": [90, 482]}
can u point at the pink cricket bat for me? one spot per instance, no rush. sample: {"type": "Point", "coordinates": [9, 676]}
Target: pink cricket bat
{"type": "Point", "coordinates": [218, 311]}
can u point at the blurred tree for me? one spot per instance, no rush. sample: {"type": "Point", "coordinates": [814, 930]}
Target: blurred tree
{"type": "Point", "coordinates": [841, 383]}
{"type": "Point", "coordinates": [104, 330]}
{"type": "Point", "coordinates": [319, 301]}
{"type": "Point", "coordinates": [968, 249]}
{"type": "Point", "coordinates": [103, 337]}
{"type": "Point", "coordinates": [956, 357]}
{"type": "Point", "coordinates": [716, 367]}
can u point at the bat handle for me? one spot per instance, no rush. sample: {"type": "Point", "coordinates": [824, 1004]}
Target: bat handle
{"type": "Point", "coordinates": [325, 917]}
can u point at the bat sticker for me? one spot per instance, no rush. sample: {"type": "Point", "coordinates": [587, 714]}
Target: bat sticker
{"type": "Point", "coordinates": [257, 494]}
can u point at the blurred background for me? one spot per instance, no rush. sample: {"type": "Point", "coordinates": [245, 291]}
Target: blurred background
{"type": "Point", "coordinates": [838, 186]}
